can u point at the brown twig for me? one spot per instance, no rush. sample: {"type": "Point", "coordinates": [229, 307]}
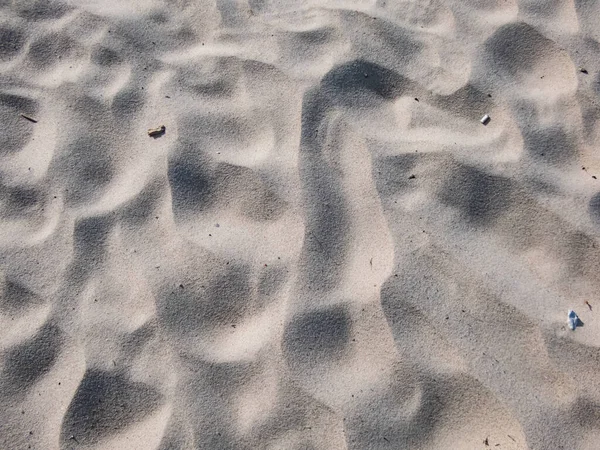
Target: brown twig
{"type": "Point", "coordinates": [31, 119]}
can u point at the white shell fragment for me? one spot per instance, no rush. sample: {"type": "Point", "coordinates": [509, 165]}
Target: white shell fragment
{"type": "Point", "coordinates": [573, 320]}
{"type": "Point", "coordinates": [485, 119]}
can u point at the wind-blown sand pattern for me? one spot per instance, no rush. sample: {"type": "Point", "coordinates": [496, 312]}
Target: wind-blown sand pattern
{"type": "Point", "coordinates": [325, 250]}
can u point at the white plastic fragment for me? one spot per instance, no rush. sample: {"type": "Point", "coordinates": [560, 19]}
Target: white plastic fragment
{"type": "Point", "coordinates": [573, 320]}
{"type": "Point", "coordinates": [485, 119]}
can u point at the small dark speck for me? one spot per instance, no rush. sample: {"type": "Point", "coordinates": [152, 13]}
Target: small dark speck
{"type": "Point", "coordinates": [594, 177]}
{"type": "Point", "coordinates": [416, 99]}
{"type": "Point", "coordinates": [217, 225]}
{"type": "Point", "coordinates": [412, 177]}
{"type": "Point", "coordinates": [181, 286]}
{"type": "Point", "coordinates": [582, 70]}
{"type": "Point", "coordinates": [209, 234]}
{"type": "Point", "coordinates": [166, 96]}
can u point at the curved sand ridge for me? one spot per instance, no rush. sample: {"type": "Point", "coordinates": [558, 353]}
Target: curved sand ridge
{"type": "Point", "coordinates": [326, 249]}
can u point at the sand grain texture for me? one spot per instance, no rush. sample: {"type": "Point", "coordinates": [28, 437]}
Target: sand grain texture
{"type": "Point", "coordinates": [326, 249]}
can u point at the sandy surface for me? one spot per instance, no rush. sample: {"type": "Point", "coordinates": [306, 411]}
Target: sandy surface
{"type": "Point", "coordinates": [325, 250]}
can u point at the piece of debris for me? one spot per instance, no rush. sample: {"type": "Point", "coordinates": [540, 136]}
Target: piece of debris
{"type": "Point", "coordinates": [31, 119]}
{"type": "Point", "coordinates": [485, 119]}
{"type": "Point", "coordinates": [573, 320]}
{"type": "Point", "coordinates": [582, 70]}
{"type": "Point", "coordinates": [486, 442]}
{"type": "Point", "coordinates": [513, 439]}
{"type": "Point", "coordinates": [416, 99]}
{"type": "Point", "coordinates": [412, 177]}
{"type": "Point", "coordinates": [157, 132]}
{"type": "Point", "coordinates": [588, 305]}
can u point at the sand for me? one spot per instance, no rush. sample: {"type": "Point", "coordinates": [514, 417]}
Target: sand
{"type": "Point", "coordinates": [326, 249]}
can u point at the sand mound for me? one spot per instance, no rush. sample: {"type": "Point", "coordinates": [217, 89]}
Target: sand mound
{"type": "Point", "coordinates": [325, 249]}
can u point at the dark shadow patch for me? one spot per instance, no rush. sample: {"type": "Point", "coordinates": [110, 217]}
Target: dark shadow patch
{"type": "Point", "coordinates": [362, 84]}
{"type": "Point", "coordinates": [327, 221]}
{"type": "Point", "coordinates": [104, 404]}
{"type": "Point", "coordinates": [192, 186]}
{"type": "Point", "coordinates": [90, 242]}
{"type": "Point", "coordinates": [143, 207]}
{"type": "Point", "coordinates": [594, 209]}
{"type": "Point", "coordinates": [209, 83]}
{"type": "Point", "coordinates": [317, 337]}
{"type": "Point", "coordinates": [223, 300]}
{"type": "Point", "coordinates": [16, 298]}
{"type": "Point", "coordinates": [128, 102]}
{"type": "Point", "coordinates": [392, 174]}
{"type": "Point", "coordinates": [197, 185]}
{"type": "Point", "coordinates": [88, 169]}
{"type": "Point", "coordinates": [516, 48]}
{"type": "Point", "coordinates": [104, 56]}
{"type": "Point", "coordinates": [51, 48]}
{"type": "Point", "coordinates": [480, 197]}
{"type": "Point", "coordinates": [40, 9]}
{"type": "Point", "coordinates": [15, 132]}
{"type": "Point", "coordinates": [550, 145]}
{"type": "Point", "coordinates": [27, 362]}
{"type": "Point", "coordinates": [20, 200]}
{"type": "Point", "coordinates": [134, 343]}
{"type": "Point", "coordinates": [271, 281]}
{"type": "Point", "coordinates": [468, 102]}
{"type": "Point", "coordinates": [178, 434]}
{"type": "Point", "coordinates": [11, 42]}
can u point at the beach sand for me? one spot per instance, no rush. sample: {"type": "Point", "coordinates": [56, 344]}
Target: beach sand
{"type": "Point", "coordinates": [325, 249]}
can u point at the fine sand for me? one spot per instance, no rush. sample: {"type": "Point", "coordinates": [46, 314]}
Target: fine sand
{"type": "Point", "coordinates": [326, 249]}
